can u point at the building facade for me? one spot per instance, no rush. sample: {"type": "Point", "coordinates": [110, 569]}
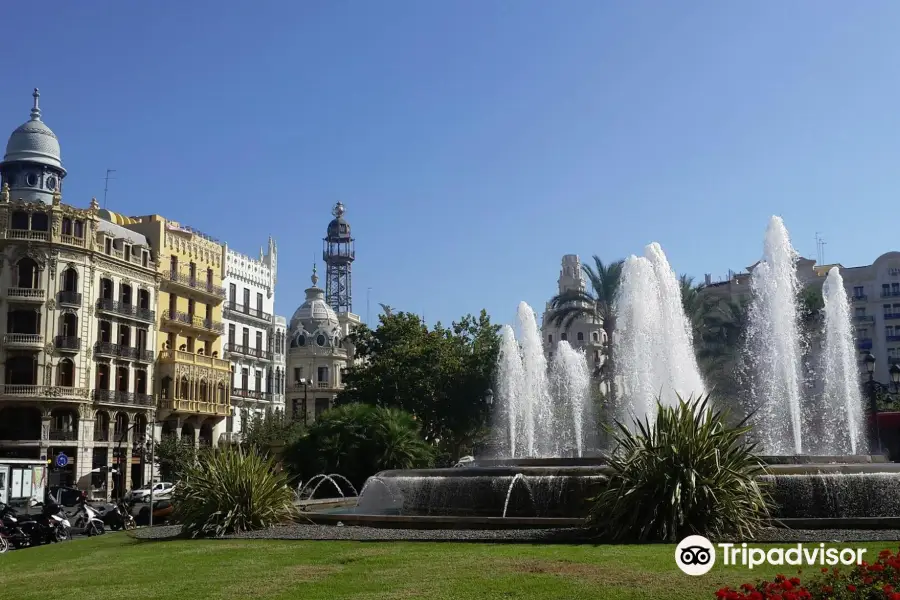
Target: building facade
{"type": "Point", "coordinates": [251, 336]}
{"type": "Point", "coordinates": [79, 330]}
{"type": "Point", "coordinates": [582, 334]}
{"type": "Point", "coordinates": [192, 379]}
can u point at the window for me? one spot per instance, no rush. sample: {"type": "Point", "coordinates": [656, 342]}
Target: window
{"type": "Point", "coordinates": [259, 342]}
{"type": "Point", "coordinates": [209, 278]}
{"type": "Point", "coordinates": [895, 289]}
{"type": "Point", "coordinates": [142, 336]}
{"type": "Point", "coordinates": [895, 310]}
{"type": "Point", "coordinates": [885, 289]}
{"type": "Point", "coordinates": [191, 306]}
{"type": "Point", "coordinates": [128, 252]}
{"type": "Point", "coordinates": [862, 333]}
{"type": "Point", "coordinates": [70, 280]}
{"type": "Point", "coordinates": [232, 295]}
{"type": "Point", "coordinates": [580, 336]}
{"type": "Point", "coordinates": [126, 294]}
{"type": "Point", "coordinates": [323, 374]}
{"type": "Point", "coordinates": [564, 336]}
{"type": "Point", "coordinates": [595, 336]}
{"type": "Point", "coordinates": [192, 273]}
{"type": "Point", "coordinates": [173, 305]}
{"type": "Point", "coordinates": [145, 258]}
{"type": "Point", "coordinates": [105, 332]}
{"type": "Point", "coordinates": [231, 336]}
{"type": "Point", "coordinates": [245, 378]}
{"type": "Point", "coordinates": [550, 339]}
{"type": "Point", "coordinates": [173, 266]}
{"type": "Point", "coordinates": [258, 381]}
{"type": "Point", "coordinates": [886, 308]}
{"type": "Point", "coordinates": [108, 246]}
{"type": "Point", "coordinates": [246, 300]}
{"type": "Point", "coordinates": [269, 380]}
{"type": "Point", "coordinates": [259, 303]}
{"type": "Point", "coordinates": [298, 373]}
{"type": "Point", "coordinates": [189, 346]}
{"type": "Point", "coordinates": [858, 291]}
{"type": "Point", "coordinates": [860, 312]}
{"type": "Point", "coordinates": [245, 338]}
{"type": "Point", "coordinates": [889, 331]}
{"type": "Point", "coordinates": [122, 379]}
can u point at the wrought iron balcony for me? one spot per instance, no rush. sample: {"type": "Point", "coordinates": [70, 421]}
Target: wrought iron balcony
{"type": "Point", "coordinates": [890, 294]}
{"type": "Point", "coordinates": [892, 338]}
{"type": "Point", "coordinates": [188, 320]}
{"type": "Point", "coordinates": [67, 343]}
{"type": "Point", "coordinates": [860, 298]}
{"type": "Point", "coordinates": [117, 350]}
{"type": "Point", "coordinates": [865, 318]}
{"type": "Point", "coordinates": [237, 392]}
{"type": "Point", "coordinates": [68, 298]}
{"type": "Point", "coordinates": [236, 311]}
{"type": "Point", "coordinates": [120, 397]}
{"type": "Point", "coordinates": [248, 351]}
{"type": "Point", "coordinates": [63, 435]}
{"type": "Point", "coordinates": [126, 310]}
{"type": "Point", "coordinates": [864, 343]}
{"type": "Point", "coordinates": [194, 283]}
{"type": "Point", "coordinates": [891, 316]}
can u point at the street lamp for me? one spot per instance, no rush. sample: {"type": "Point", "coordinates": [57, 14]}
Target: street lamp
{"type": "Point", "coordinates": [305, 383]}
{"type": "Point", "coordinates": [489, 396]}
{"type": "Point", "coordinates": [872, 389]}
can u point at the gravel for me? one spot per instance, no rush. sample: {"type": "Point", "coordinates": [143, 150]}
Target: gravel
{"type": "Point", "coordinates": [549, 536]}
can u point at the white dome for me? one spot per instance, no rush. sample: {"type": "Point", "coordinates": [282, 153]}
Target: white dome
{"type": "Point", "coordinates": [315, 314]}
{"type": "Point", "coordinates": [33, 141]}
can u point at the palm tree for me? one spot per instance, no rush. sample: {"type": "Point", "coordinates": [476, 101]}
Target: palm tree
{"type": "Point", "coordinates": [722, 340]}
{"type": "Point", "coordinates": [597, 304]}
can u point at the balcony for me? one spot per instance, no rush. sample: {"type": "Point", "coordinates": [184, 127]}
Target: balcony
{"type": "Point", "coordinates": [893, 338]}
{"type": "Point", "coordinates": [32, 341]}
{"type": "Point", "coordinates": [120, 351]}
{"type": "Point", "coordinates": [864, 343]}
{"type": "Point", "coordinates": [27, 234]}
{"type": "Point", "coordinates": [126, 310]}
{"type": "Point", "coordinates": [63, 435]}
{"type": "Point", "coordinates": [123, 398]}
{"type": "Point", "coordinates": [322, 385]}
{"type": "Point", "coordinates": [43, 392]}
{"type": "Point", "coordinates": [66, 343]}
{"type": "Point", "coordinates": [240, 312]}
{"type": "Point", "coordinates": [248, 351]}
{"type": "Point", "coordinates": [865, 318]}
{"type": "Point", "coordinates": [890, 294]}
{"type": "Point", "coordinates": [66, 298]}
{"type": "Point", "coordinates": [17, 294]}
{"type": "Point", "coordinates": [193, 283]}
{"type": "Point", "coordinates": [891, 316]}
{"type": "Point", "coordinates": [200, 360]}
{"type": "Point", "coordinates": [859, 298]}
{"type": "Point", "coordinates": [251, 394]}
{"type": "Point", "coordinates": [196, 407]}
{"type": "Point", "coordinates": [182, 319]}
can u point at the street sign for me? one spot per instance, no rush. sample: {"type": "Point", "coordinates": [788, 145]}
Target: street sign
{"type": "Point", "coordinates": [61, 460]}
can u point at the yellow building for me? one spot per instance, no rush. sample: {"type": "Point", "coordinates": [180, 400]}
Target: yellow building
{"type": "Point", "coordinates": [191, 378]}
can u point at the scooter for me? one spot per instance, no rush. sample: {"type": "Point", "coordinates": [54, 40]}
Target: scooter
{"type": "Point", "coordinates": [86, 520]}
{"type": "Point", "coordinates": [116, 516]}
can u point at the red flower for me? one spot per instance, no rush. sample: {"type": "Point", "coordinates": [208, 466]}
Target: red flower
{"type": "Point", "coordinates": [851, 588]}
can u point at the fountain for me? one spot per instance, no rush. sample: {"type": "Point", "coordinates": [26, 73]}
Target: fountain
{"type": "Point", "coordinates": [817, 471]}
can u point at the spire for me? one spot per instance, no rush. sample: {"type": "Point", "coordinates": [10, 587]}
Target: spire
{"type": "Point", "coordinates": [36, 109]}
{"type": "Point", "coordinates": [315, 277]}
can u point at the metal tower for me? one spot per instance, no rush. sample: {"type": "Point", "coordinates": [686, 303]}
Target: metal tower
{"type": "Point", "coordinates": [338, 254]}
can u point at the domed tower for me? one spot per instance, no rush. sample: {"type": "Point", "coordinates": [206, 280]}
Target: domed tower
{"type": "Point", "coordinates": [338, 254]}
{"type": "Point", "coordinates": [32, 165]}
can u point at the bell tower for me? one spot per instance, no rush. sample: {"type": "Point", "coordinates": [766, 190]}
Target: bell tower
{"type": "Point", "coordinates": [338, 254]}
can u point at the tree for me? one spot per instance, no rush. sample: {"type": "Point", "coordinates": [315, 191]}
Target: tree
{"type": "Point", "coordinates": [269, 432]}
{"type": "Point", "coordinates": [440, 376]}
{"type": "Point", "coordinates": [174, 456]}
{"type": "Point", "coordinates": [357, 441]}
{"type": "Point", "coordinates": [598, 304]}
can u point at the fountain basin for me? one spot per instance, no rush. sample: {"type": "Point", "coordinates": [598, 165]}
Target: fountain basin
{"type": "Point", "coordinates": [808, 491]}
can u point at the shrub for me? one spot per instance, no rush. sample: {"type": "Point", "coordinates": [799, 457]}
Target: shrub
{"type": "Point", "coordinates": [268, 433]}
{"type": "Point", "coordinates": [880, 580]}
{"type": "Point", "coordinates": [230, 491]}
{"type": "Point", "coordinates": [689, 472]}
{"type": "Point", "coordinates": [357, 441]}
{"type": "Point", "coordinates": [175, 457]}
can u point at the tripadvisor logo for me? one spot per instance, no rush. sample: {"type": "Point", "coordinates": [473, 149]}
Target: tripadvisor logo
{"type": "Point", "coordinates": [696, 555]}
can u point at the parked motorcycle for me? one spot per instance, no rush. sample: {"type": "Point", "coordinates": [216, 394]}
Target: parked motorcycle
{"type": "Point", "coordinates": [53, 523]}
{"type": "Point", "coordinates": [12, 531]}
{"type": "Point", "coordinates": [30, 530]}
{"type": "Point", "coordinates": [118, 516]}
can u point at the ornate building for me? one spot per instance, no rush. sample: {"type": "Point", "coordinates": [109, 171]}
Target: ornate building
{"type": "Point", "coordinates": [254, 341]}
{"type": "Point", "coordinates": [582, 333]}
{"type": "Point", "coordinates": [78, 324]}
{"type": "Point", "coordinates": [192, 379]}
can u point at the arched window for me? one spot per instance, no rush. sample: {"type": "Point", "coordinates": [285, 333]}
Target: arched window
{"type": "Point", "coordinates": [203, 391]}
{"type": "Point", "coordinates": [580, 336]}
{"type": "Point", "coordinates": [65, 373]}
{"type": "Point", "coordinates": [106, 289]}
{"type": "Point", "coordinates": [69, 325]}
{"type": "Point", "coordinates": [66, 226]}
{"type": "Point", "coordinates": [125, 290]}
{"type": "Point", "coordinates": [27, 273]}
{"type": "Point", "coordinates": [221, 393]}
{"type": "Point", "coordinates": [184, 391]}
{"type": "Point", "coordinates": [70, 280]}
{"type": "Point", "coordinates": [166, 387]}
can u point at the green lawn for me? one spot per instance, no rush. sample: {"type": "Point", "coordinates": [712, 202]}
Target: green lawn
{"type": "Point", "coordinates": [115, 566]}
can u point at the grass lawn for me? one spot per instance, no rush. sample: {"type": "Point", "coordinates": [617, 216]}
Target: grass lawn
{"type": "Point", "coordinates": [115, 566]}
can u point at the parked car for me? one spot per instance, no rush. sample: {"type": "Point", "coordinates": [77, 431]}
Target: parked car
{"type": "Point", "coordinates": [161, 489]}
{"type": "Point", "coordinates": [162, 511]}
{"type": "Point", "coordinates": [67, 496]}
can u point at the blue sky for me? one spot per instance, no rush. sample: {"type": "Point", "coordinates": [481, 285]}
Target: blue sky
{"type": "Point", "coordinates": [474, 142]}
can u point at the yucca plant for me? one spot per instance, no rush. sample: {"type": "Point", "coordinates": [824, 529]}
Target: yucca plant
{"type": "Point", "coordinates": [687, 473]}
{"type": "Point", "coordinates": [230, 491]}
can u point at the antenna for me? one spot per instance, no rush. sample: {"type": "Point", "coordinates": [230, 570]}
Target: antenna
{"type": "Point", "coordinates": [106, 187]}
{"type": "Point", "coordinates": [820, 248]}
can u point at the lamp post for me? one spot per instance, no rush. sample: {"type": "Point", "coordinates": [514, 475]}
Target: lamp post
{"type": "Point", "coordinates": [305, 383]}
{"type": "Point", "coordinates": [489, 397]}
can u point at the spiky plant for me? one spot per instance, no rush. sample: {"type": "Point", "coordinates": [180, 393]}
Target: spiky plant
{"type": "Point", "coordinates": [230, 491]}
{"type": "Point", "coordinates": [688, 472]}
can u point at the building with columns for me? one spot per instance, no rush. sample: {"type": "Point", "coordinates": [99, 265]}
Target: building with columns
{"type": "Point", "coordinates": [77, 298]}
{"type": "Point", "coordinates": [252, 346]}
